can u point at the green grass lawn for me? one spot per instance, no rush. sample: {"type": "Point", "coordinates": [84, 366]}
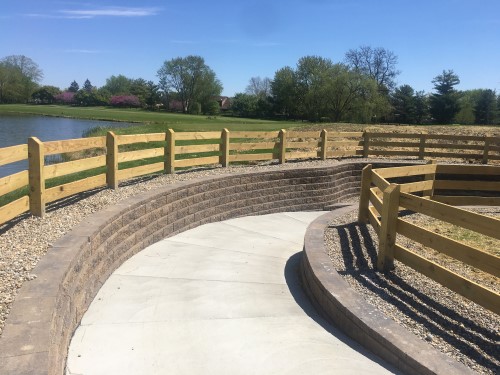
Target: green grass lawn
{"type": "Point", "coordinates": [149, 121]}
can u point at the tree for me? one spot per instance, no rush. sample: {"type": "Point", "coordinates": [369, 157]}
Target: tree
{"type": "Point", "coordinates": [10, 84]}
{"type": "Point", "coordinates": [22, 75]}
{"type": "Point", "coordinates": [285, 93]}
{"type": "Point", "coordinates": [486, 107]}
{"type": "Point", "coordinates": [320, 90]}
{"type": "Point", "coordinates": [73, 87]}
{"type": "Point", "coordinates": [46, 94]}
{"type": "Point", "coordinates": [90, 96]}
{"type": "Point", "coordinates": [311, 76]}
{"type": "Point", "coordinates": [349, 93]}
{"type": "Point", "coordinates": [403, 101]}
{"type": "Point", "coordinates": [191, 79]}
{"type": "Point", "coordinates": [245, 105]}
{"type": "Point", "coordinates": [87, 86]}
{"type": "Point", "coordinates": [153, 95]}
{"type": "Point", "coordinates": [421, 107]}
{"type": "Point", "coordinates": [260, 87]}
{"type": "Point", "coordinates": [213, 109]}
{"type": "Point", "coordinates": [118, 85]}
{"type": "Point", "coordinates": [377, 63]}
{"type": "Point", "coordinates": [444, 105]}
{"type": "Point", "coordinates": [467, 102]}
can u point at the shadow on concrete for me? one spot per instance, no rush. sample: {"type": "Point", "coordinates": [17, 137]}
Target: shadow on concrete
{"type": "Point", "coordinates": [294, 284]}
{"type": "Point", "coordinates": [360, 258]}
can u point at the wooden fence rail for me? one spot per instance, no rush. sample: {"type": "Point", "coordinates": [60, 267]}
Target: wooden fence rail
{"type": "Point", "coordinates": [105, 161]}
{"type": "Point", "coordinates": [388, 199]}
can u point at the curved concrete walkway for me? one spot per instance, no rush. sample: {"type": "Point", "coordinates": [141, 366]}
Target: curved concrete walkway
{"type": "Point", "coordinates": [223, 298]}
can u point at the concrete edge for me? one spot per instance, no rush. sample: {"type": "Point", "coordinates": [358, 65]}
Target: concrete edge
{"type": "Point", "coordinates": [348, 310]}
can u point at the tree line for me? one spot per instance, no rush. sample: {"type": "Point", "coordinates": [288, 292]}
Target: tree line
{"type": "Point", "coordinates": [361, 89]}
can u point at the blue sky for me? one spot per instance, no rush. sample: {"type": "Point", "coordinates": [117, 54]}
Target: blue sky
{"type": "Point", "coordinates": [72, 40]}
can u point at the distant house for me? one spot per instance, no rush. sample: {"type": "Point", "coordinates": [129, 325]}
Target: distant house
{"type": "Point", "coordinates": [224, 102]}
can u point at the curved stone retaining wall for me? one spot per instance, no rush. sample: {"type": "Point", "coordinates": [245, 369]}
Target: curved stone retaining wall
{"type": "Point", "coordinates": [48, 309]}
{"type": "Point", "coordinates": [345, 308]}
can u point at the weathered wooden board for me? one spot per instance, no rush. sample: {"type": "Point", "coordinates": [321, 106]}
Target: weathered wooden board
{"type": "Point", "coordinates": [299, 134]}
{"type": "Point", "coordinates": [466, 254]}
{"type": "Point", "coordinates": [467, 201]}
{"type": "Point", "coordinates": [406, 171]}
{"type": "Point", "coordinates": [293, 144]}
{"type": "Point", "coordinates": [13, 153]}
{"type": "Point", "coordinates": [125, 174]}
{"type": "Point", "coordinates": [62, 169]}
{"type": "Point", "coordinates": [252, 157]}
{"type": "Point", "coordinates": [13, 182]}
{"type": "Point", "coordinates": [253, 146]}
{"type": "Point", "coordinates": [468, 289]}
{"type": "Point", "coordinates": [254, 134]}
{"type": "Point", "coordinates": [63, 191]}
{"type": "Point", "coordinates": [140, 138]}
{"type": "Point", "coordinates": [141, 154]}
{"type": "Point", "coordinates": [302, 155]}
{"type": "Point", "coordinates": [12, 209]}
{"type": "Point", "coordinates": [196, 148]}
{"type": "Point", "coordinates": [453, 215]}
{"type": "Point", "coordinates": [197, 161]}
{"type": "Point", "coordinates": [467, 185]}
{"type": "Point", "coordinates": [188, 136]}
{"type": "Point", "coordinates": [379, 181]}
{"type": "Point", "coordinates": [468, 169]}
{"type": "Point", "coordinates": [73, 145]}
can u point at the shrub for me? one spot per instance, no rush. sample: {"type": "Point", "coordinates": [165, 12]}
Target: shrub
{"type": "Point", "coordinates": [66, 97]}
{"type": "Point", "coordinates": [125, 101]}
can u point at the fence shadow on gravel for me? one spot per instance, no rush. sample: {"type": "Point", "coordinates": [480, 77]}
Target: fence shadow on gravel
{"type": "Point", "coordinates": [359, 253]}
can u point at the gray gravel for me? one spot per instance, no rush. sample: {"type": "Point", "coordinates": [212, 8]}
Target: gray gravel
{"type": "Point", "coordinates": [456, 326]}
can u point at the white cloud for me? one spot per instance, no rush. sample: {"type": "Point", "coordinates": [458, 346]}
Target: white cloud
{"type": "Point", "coordinates": [97, 12]}
{"type": "Point", "coordinates": [110, 12]}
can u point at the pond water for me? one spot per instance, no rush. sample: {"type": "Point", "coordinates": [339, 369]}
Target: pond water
{"type": "Point", "coordinates": [15, 130]}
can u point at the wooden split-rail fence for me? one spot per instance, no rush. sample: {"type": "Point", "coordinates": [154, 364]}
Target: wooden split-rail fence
{"type": "Point", "coordinates": [436, 191]}
{"type": "Point", "coordinates": [105, 161]}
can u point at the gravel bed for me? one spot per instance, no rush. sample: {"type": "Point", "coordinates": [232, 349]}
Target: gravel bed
{"type": "Point", "coordinates": [26, 239]}
{"type": "Point", "coordinates": [456, 326]}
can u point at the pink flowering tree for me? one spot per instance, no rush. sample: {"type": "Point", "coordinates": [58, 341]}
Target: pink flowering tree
{"type": "Point", "coordinates": [66, 97]}
{"type": "Point", "coordinates": [125, 101]}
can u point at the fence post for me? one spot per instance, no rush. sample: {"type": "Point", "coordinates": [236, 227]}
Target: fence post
{"type": "Point", "coordinates": [366, 144]}
{"type": "Point", "coordinates": [224, 148]}
{"type": "Point", "coordinates": [364, 199]}
{"type": "Point", "coordinates": [111, 161]}
{"type": "Point", "coordinates": [324, 144]}
{"type": "Point", "coordinates": [36, 157]}
{"type": "Point", "coordinates": [486, 150]}
{"type": "Point", "coordinates": [431, 176]}
{"type": "Point", "coordinates": [170, 151]}
{"type": "Point", "coordinates": [421, 149]}
{"type": "Point", "coordinates": [388, 226]}
{"type": "Point", "coordinates": [282, 153]}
